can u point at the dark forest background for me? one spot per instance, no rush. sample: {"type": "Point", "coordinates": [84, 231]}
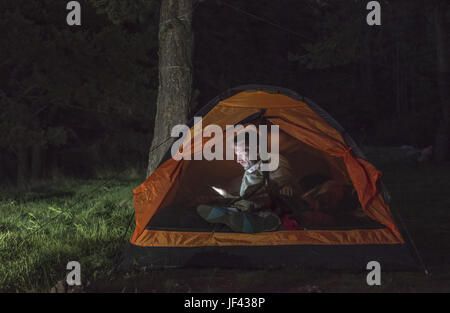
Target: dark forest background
{"type": "Point", "coordinates": [81, 101]}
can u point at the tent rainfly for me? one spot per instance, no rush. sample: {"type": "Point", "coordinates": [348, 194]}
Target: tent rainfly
{"type": "Point", "coordinates": [169, 232]}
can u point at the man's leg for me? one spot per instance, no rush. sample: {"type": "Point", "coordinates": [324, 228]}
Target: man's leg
{"type": "Point", "coordinates": [243, 222]}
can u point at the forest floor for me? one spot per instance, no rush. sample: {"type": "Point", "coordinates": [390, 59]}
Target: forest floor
{"type": "Point", "coordinates": [47, 226]}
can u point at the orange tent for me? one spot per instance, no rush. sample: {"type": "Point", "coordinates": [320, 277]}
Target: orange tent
{"type": "Point", "coordinates": [168, 232]}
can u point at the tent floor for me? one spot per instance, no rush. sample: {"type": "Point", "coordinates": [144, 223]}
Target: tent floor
{"type": "Point", "coordinates": [355, 257]}
{"type": "Point", "coordinates": [179, 218]}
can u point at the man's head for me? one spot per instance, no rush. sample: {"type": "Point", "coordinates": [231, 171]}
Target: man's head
{"type": "Point", "coordinates": [251, 145]}
{"type": "Point", "coordinates": [244, 144]}
{"type": "Point", "coordinates": [242, 156]}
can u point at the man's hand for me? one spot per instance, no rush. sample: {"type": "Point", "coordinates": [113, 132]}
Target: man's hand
{"type": "Point", "coordinates": [287, 191]}
{"type": "Point", "coordinates": [224, 193]}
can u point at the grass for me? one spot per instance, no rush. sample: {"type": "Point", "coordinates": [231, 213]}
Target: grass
{"type": "Point", "coordinates": [41, 230]}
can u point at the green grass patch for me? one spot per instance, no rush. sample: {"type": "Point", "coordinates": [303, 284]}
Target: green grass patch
{"type": "Point", "coordinates": [44, 228]}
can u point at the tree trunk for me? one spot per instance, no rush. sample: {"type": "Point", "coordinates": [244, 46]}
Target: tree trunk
{"type": "Point", "coordinates": [2, 168]}
{"type": "Point", "coordinates": [36, 162]}
{"type": "Point", "coordinates": [22, 165]}
{"type": "Point", "coordinates": [400, 81]}
{"type": "Point", "coordinates": [367, 72]}
{"type": "Point", "coordinates": [441, 148]}
{"type": "Point", "coordinates": [54, 164]}
{"type": "Point", "coordinates": [175, 75]}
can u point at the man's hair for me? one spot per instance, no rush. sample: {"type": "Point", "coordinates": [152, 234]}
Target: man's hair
{"type": "Point", "coordinates": [246, 140]}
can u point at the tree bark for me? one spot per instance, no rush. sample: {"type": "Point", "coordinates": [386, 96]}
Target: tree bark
{"type": "Point", "coordinates": [441, 148]}
{"type": "Point", "coordinates": [54, 164]}
{"type": "Point", "coordinates": [175, 75]}
{"type": "Point", "coordinates": [2, 167]}
{"type": "Point", "coordinates": [22, 165]}
{"type": "Point", "coordinates": [36, 162]}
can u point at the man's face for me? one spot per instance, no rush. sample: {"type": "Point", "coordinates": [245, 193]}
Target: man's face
{"type": "Point", "coordinates": [242, 156]}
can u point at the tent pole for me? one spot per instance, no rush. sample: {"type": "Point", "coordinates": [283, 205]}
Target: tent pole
{"type": "Point", "coordinates": [411, 241]}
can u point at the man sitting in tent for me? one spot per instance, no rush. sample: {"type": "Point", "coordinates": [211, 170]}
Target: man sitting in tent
{"type": "Point", "coordinates": [268, 199]}
{"type": "Point", "coordinates": [255, 210]}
